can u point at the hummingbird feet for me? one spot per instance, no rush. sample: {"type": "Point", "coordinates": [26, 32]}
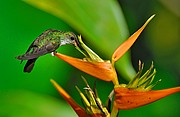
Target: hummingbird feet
{"type": "Point", "coordinates": [52, 53]}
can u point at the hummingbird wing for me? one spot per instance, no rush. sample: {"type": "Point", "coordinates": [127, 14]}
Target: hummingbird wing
{"type": "Point", "coordinates": [32, 57]}
{"type": "Point", "coordinates": [23, 57]}
{"type": "Point", "coordinates": [36, 52]}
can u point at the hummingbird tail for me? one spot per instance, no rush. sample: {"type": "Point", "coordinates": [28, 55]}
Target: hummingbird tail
{"type": "Point", "coordinates": [29, 65]}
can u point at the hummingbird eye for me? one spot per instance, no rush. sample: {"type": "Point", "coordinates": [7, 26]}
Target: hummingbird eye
{"type": "Point", "coordinates": [72, 38]}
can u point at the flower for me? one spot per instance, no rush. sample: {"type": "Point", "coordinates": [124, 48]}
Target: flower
{"type": "Point", "coordinates": [92, 64]}
{"type": "Point", "coordinates": [93, 105]}
{"type": "Point", "coordinates": [138, 91]}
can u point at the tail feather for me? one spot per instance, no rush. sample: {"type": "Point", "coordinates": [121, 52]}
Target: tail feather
{"type": "Point", "coordinates": [29, 65]}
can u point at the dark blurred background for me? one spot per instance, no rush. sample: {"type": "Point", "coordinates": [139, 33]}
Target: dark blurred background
{"type": "Point", "coordinates": [31, 95]}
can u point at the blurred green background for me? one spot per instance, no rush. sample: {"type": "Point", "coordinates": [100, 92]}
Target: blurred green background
{"type": "Point", "coordinates": [32, 95]}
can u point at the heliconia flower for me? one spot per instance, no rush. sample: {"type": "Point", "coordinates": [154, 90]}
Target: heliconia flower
{"type": "Point", "coordinates": [138, 91]}
{"type": "Point", "coordinates": [93, 105]}
{"type": "Point", "coordinates": [92, 64]}
{"type": "Point", "coordinates": [92, 102]}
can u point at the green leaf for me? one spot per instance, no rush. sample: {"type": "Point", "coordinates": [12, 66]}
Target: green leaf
{"type": "Point", "coordinates": [100, 22]}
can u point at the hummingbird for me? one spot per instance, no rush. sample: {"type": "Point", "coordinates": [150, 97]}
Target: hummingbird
{"type": "Point", "coordinates": [49, 41]}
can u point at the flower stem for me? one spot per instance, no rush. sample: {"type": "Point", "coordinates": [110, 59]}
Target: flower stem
{"type": "Point", "coordinates": [114, 112]}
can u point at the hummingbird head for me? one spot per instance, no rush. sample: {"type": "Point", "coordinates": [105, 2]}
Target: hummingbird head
{"type": "Point", "coordinates": [68, 38]}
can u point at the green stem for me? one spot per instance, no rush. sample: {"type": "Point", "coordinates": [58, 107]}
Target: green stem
{"type": "Point", "coordinates": [114, 112]}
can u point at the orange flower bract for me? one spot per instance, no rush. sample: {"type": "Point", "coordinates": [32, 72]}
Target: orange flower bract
{"type": "Point", "coordinates": [101, 70]}
{"type": "Point", "coordinates": [78, 109]}
{"type": "Point", "coordinates": [124, 47]}
{"type": "Point", "coordinates": [130, 98]}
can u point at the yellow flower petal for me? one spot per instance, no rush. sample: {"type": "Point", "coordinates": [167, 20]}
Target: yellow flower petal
{"type": "Point", "coordinates": [124, 47]}
{"type": "Point", "coordinates": [130, 98]}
